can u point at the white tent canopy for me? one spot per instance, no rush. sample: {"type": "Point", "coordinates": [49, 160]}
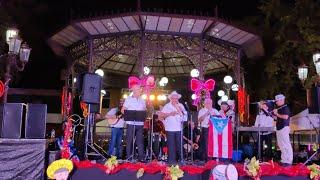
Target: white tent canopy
{"type": "Point", "coordinates": [304, 121]}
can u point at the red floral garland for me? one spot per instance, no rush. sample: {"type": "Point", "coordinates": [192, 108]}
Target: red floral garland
{"type": "Point", "coordinates": [267, 169]}
{"type": "Point", "coordinates": [65, 153]}
{"type": "Point", "coordinates": [241, 103]}
{"type": "Point", "coordinates": [2, 88]}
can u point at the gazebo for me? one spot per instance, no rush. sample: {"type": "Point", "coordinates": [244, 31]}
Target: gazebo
{"type": "Point", "coordinates": [170, 45]}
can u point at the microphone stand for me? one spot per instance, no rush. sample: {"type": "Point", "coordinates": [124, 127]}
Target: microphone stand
{"type": "Point", "coordinates": [191, 130]}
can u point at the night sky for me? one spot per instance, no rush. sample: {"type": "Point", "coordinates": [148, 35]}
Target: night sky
{"type": "Point", "coordinates": [39, 19]}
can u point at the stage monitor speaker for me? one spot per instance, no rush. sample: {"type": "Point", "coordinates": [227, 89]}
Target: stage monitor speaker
{"type": "Point", "coordinates": [313, 100]}
{"type": "Point", "coordinates": [35, 125]}
{"type": "Point", "coordinates": [11, 120]}
{"type": "Point", "coordinates": [91, 88]}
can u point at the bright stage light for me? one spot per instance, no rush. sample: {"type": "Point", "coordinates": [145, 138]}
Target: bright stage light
{"type": "Point", "coordinates": [193, 96]}
{"type": "Point", "coordinates": [99, 72]}
{"type": "Point", "coordinates": [224, 98]}
{"type": "Point", "coordinates": [235, 87]}
{"type": "Point", "coordinates": [152, 97]}
{"type": "Point", "coordinates": [165, 80]}
{"type": "Point", "coordinates": [144, 96]}
{"type": "Point", "coordinates": [194, 73]}
{"type": "Point", "coordinates": [221, 93]}
{"type": "Point", "coordinates": [227, 79]}
{"type": "Point", "coordinates": [124, 96]}
{"type": "Point", "coordinates": [103, 92]}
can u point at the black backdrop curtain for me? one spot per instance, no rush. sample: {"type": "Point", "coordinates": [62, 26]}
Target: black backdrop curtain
{"type": "Point", "coordinates": [22, 159]}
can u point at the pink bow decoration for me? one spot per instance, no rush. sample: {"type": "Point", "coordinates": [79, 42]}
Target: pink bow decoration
{"type": "Point", "coordinates": [197, 86]}
{"type": "Point", "coordinates": [148, 83]}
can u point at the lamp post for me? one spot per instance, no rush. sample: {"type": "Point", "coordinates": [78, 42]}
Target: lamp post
{"type": "Point", "coordinates": [228, 80]}
{"type": "Point", "coordinates": [17, 57]}
{"type": "Point", "coordinates": [316, 62]}
{"type": "Point", "coordinates": [303, 73]}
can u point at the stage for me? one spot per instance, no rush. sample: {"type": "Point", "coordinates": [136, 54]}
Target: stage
{"type": "Point", "coordinates": [157, 171]}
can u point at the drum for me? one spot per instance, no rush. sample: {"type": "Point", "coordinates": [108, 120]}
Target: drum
{"type": "Point", "coordinates": [222, 172]}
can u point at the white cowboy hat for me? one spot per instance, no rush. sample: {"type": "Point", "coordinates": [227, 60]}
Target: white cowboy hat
{"type": "Point", "coordinates": [174, 93]}
{"type": "Point", "coordinates": [229, 102]}
{"type": "Point", "coordinates": [279, 97]}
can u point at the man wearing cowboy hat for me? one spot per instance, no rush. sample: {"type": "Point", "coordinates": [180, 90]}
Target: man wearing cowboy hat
{"type": "Point", "coordinates": [226, 110]}
{"type": "Point", "coordinates": [136, 103]}
{"type": "Point", "coordinates": [174, 114]}
{"type": "Point", "coordinates": [282, 117]}
{"type": "Point", "coordinates": [203, 117]}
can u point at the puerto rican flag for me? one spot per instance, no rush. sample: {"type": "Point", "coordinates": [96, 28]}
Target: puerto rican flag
{"type": "Point", "coordinates": [220, 137]}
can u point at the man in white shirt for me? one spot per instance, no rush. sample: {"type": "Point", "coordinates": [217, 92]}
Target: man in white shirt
{"type": "Point", "coordinates": [264, 119]}
{"type": "Point", "coordinates": [174, 114]}
{"type": "Point", "coordinates": [116, 129]}
{"type": "Point", "coordinates": [136, 103]}
{"type": "Point", "coordinates": [203, 117]}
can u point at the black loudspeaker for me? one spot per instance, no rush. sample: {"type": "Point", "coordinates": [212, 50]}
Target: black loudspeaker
{"type": "Point", "coordinates": [35, 125]}
{"type": "Point", "coordinates": [314, 100]}
{"type": "Point", "coordinates": [91, 88]}
{"type": "Point", "coordinates": [11, 120]}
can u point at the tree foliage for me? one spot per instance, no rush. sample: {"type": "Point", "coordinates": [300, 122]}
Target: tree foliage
{"type": "Point", "coordinates": [290, 33]}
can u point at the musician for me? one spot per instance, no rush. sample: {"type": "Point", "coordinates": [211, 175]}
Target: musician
{"type": "Point", "coordinates": [282, 117]}
{"type": "Point", "coordinates": [193, 142]}
{"type": "Point", "coordinates": [264, 119]}
{"type": "Point", "coordinates": [116, 129]}
{"type": "Point", "coordinates": [203, 117]}
{"type": "Point", "coordinates": [135, 102]}
{"type": "Point", "coordinates": [174, 114]}
{"type": "Point", "coordinates": [226, 110]}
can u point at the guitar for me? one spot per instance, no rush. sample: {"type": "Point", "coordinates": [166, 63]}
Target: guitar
{"type": "Point", "coordinates": [115, 120]}
{"type": "Point", "coordinates": [187, 147]}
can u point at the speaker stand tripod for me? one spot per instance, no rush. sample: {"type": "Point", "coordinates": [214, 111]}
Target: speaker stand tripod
{"type": "Point", "coordinates": [88, 142]}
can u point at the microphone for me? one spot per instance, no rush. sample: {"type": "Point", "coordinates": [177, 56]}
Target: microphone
{"type": "Point", "coordinates": [187, 106]}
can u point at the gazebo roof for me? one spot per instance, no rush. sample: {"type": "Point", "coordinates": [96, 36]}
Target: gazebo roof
{"type": "Point", "coordinates": [172, 44]}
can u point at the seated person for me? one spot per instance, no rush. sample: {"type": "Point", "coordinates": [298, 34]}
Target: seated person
{"type": "Point", "coordinates": [188, 143]}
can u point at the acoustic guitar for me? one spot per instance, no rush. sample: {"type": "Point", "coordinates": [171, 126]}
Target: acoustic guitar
{"type": "Point", "coordinates": [113, 121]}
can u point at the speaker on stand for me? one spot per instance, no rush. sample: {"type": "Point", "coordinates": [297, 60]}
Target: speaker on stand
{"type": "Point", "coordinates": [90, 94]}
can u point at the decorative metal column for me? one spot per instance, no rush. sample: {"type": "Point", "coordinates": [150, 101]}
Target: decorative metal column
{"type": "Point", "coordinates": [201, 64]}
{"type": "Point", "coordinates": [141, 60]}
{"type": "Point", "coordinates": [90, 57]}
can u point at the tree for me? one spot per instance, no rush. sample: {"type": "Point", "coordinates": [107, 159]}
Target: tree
{"type": "Point", "coordinates": [290, 35]}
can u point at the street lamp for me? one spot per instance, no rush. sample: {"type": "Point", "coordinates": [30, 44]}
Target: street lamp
{"type": "Point", "coordinates": [11, 32]}
{"type": "Point", "coordinates": [303, 73]}
{"type": "Point", "coordinates": [316, 61]}
{"type": "Point", "coordinates": [16, 50]}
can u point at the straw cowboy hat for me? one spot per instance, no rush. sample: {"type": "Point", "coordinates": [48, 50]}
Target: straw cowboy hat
{"type": "Point", "coordinates": [174, 94]}
{"type": "Point", "coordinates": [59, 166]}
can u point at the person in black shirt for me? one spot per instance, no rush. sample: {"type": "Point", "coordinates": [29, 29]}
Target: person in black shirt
{"type": "Point", "coordinates": [282, 117]}
{"type": "Point", "coordinates": [187, 142]}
